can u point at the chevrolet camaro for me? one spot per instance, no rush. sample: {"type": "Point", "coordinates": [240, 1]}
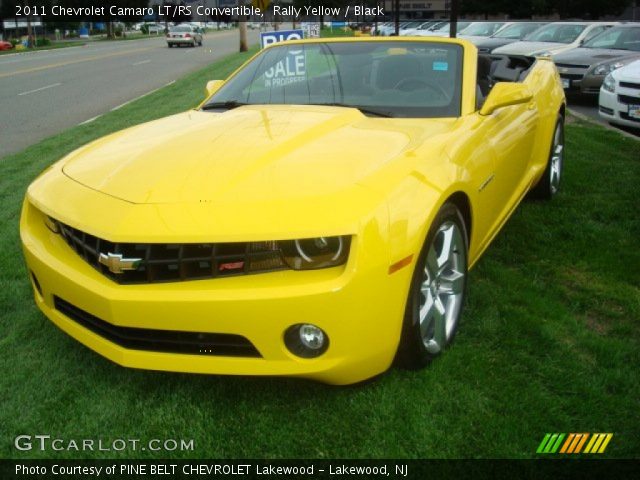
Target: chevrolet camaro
{"type": "Point", "coordinates": [315, 216]}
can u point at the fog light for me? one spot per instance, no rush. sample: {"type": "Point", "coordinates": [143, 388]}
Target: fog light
{"type": "Point", "coordinates": [306, 340]}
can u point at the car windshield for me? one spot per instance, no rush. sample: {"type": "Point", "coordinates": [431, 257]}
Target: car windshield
{"type": "Point", "coordinates": [517, 30]}
{"type": "Point", "coordinates": [482, 29]}
{"type": "Point", "coordinates": [181, 28]}
{"type": "Point", "coordinates": [459, 27]}
{"type": "Point", "coordinates": [557, 33]}
{"type": "Point", "coordinates": [621, 38]}
{"type": "Point", "coordinates": [393, 79]}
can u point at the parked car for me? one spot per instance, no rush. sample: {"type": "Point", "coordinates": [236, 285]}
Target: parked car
{"type": "Point", "coordinates": [426, 26]}
{"type": "Point", "coordinates": [555, 38]}
{"type": "Point", "coordinates": [5, 45]}
{"type": "Point", "coordinates": [619, 101]}
{"type": "Point", "coordinates": [478, 30]}
{"type": "Point", "coordinates": [443, 29]}
{"type": "Point", "coordinates": [509, 34]}
{"type": "Point", "coordinates": [155, 28]}
{"type": "Point", "coordinates": [305, 222]}
{"type": "Point", "coordinates": [184, 34]}
{"type": "Point", "coordinates": [584, 68]}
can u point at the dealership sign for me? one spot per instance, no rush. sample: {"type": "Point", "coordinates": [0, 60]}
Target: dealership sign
{"type": "Point", "coordinates": [292, 68]}
{"type": "Point", "coordinates": [267, 38]}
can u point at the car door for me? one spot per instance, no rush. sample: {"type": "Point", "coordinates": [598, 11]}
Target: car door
{"type": "Point", "coordinates": [510, 134]}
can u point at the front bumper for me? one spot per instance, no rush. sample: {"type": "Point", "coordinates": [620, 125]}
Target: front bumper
{"type": "Point", "coordinates": [614, 106]}
{"type": "Point", "coordinates": [576, 82]}
{"type": "Point", "coordinates": [360, 306]}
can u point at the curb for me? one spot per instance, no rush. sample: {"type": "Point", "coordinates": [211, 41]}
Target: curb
{"type": "Point", "coordinates": [588, 119]}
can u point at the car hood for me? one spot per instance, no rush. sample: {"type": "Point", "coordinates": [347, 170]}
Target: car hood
{"type": "Point", "coordinates": [532, 48]}
{"type": "Point", "coordinates": [248, 154]}
{"type": "Point", "coordinates": [591, 56]}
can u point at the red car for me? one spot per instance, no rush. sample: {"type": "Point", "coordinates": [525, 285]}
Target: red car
{"type": "Point", "coordinates": [5, 45]}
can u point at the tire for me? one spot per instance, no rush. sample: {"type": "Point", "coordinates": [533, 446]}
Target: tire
{"type": "Point", "coordinates": [549, 184]}
{"type": "Point", "coordinates": [441, 282]}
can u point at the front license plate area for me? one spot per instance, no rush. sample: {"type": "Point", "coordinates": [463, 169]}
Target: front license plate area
{"type": "Point", "coordinates": [566, 83]}
{"type": "Point", "coordinates": [634, 111]}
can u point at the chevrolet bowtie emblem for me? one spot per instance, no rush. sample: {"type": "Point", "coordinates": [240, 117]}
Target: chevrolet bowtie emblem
{"type": "Point", "coordinates": [116, 264]}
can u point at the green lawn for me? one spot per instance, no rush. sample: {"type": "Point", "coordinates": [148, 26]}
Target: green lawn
{"type": "Point", "coordinates": [52, 46]}
{"type": "Point", "coordinates": [549, 340]}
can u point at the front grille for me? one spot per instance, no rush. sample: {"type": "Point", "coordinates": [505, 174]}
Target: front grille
{"type": "Point", "coordinates": [169, 341]}
{"type": "Point", "coordinates": [569, 65]}
{"type": "Point", "coordinates": [172, 262]}
{"type": "Point", "coordinates": [608, 111]}
{"type": "Point", "coordinates": [572, 76]}
{"type": "Point", "coordinates": [630, 85]}
{"type": "Point", "coordinates": [629, 100]}
{"type": "Point", "coordinates": [626, 116]}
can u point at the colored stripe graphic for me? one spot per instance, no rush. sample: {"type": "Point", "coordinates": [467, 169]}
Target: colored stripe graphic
{"type": "Point", "coordinates": [550, 443]}
{"type": "Point", "coordinates": [598, 443]}
{"type": "Point", "coordinates": [574, 443]}
{"type": "Point", "coordinates": [543, 443]}
{"type": "Point", "coordinates": [581, 443]}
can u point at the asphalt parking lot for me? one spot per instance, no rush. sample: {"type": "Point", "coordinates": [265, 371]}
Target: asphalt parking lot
{"type": "Point", "coordinates": [43, 93]}
{"type": "Point", "coordinates": [588, 107]}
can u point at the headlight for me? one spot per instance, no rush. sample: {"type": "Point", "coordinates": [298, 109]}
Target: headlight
{"type": "Point", "coordinates": [319, 252]}
{"type": "Point", "coordinates": [607, 68]}
{"type": "Point", "coordinates": [609, 83]}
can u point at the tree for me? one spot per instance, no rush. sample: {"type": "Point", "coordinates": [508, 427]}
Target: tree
{"type": "Point", "coordinates": [242, 27]}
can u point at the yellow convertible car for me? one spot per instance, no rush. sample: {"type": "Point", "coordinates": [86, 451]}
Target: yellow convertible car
{"type": "Point", "coordinates": [315, 216]}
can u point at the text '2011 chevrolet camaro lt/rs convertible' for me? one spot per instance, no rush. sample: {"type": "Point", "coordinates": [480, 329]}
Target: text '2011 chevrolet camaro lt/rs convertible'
{"type": "Point", "coordinates": [315, 216]}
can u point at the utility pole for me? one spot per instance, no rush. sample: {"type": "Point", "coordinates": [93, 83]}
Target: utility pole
{"type": "Point", "coordinates": [453, 26]}
{"type": "Point", "coordinates": [397, 19]}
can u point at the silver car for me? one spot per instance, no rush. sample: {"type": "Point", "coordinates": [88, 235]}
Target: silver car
{"type": "Point", "coordinates": [583, 69]}
{"type": "Point", "coordinates": [184, 35]}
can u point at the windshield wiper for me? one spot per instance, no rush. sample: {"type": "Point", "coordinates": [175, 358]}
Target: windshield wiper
{"type": "Point", "coordinates": [229, 104]}
{"type": "Point", "coordinates": [365, 110]}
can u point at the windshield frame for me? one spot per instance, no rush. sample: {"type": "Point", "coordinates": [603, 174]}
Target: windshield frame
{"type": "Point", "coordinates": [460, 101]}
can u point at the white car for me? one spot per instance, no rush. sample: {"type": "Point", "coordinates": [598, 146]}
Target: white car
{"type": "Point", "coordinates": [416, 29]}
{"type": "Point", "coordinates": [443, 30]}
{"type": "Point", "coordinates": [480, 30]}
{"type": "Point", "coordinates": [555, 38]}
{"type": "Point", "coordinates": [619, 101]}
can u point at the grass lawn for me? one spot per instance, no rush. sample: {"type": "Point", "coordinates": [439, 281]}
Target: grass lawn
{"type": "Point", "coordinates": [52, 46]}
{"type": "Point", "coordinates": [549, 341]}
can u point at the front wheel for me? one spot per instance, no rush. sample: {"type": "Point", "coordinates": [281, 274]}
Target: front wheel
{"type": "Point", "coordinates": [549, 184]}
{"type": "Point", "coordinates": [437, 293]}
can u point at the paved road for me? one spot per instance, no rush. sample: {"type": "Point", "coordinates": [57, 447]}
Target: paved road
{"type": "Point", "coordinates": [43, 93]}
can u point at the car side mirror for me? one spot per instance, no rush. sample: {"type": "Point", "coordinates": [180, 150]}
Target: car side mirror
{"type": "Point", "coordinates": [504, 94]}
{"type": "Point", "coordinates": [212, 87]}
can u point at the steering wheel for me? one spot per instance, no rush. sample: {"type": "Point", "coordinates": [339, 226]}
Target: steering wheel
{"type": "Point", "coordinates": [414, 83]}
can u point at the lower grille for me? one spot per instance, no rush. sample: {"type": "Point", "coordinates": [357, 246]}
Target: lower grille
{"type": "Point", "coordinates": [626, 116]}
{"type": "Point", "coordinates": [626, 99]}
{"type": "Point", "coordinates": [169, 341]}
{"type": "Point", "coordinates": [608, 111]}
